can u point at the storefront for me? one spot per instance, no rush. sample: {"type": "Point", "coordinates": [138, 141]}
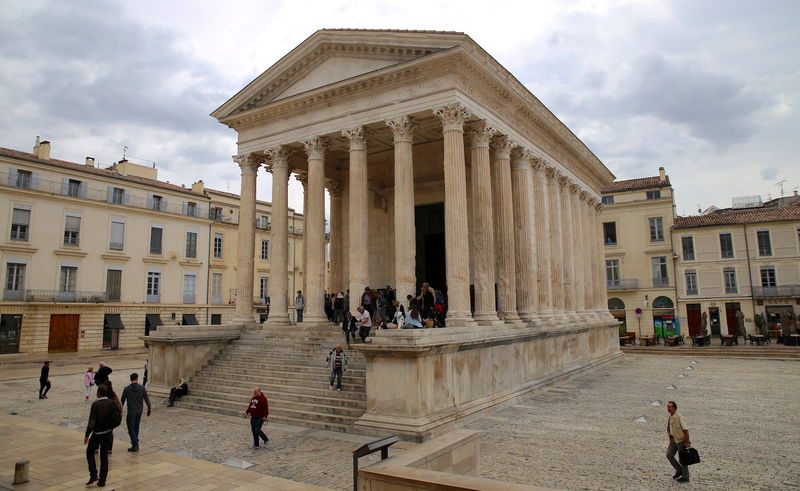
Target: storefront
{"type": "Point", "coordinates": [665, 322]}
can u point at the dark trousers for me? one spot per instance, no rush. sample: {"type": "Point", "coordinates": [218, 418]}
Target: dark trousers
{"type": "Point", "coordinates": [675, 447]}
{"type": "Point", "coordinates": [299, 315]}
{"type": "Point", "coordinates": [336, 374]}
{"type": "Point", "coordinates": [363, 333]}
{"type": "Point", "coordinates": [132, 420]}
{"type": "Point", "coordinates": [104, 443]}
{"type": "Point", "coordinates": [349, 334]}
{"type": "Point", "coordinates": [44, 386]}
{"type": "Point", "coordinates": [255, 427]}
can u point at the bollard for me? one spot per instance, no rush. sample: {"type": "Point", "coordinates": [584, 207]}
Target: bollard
{"type": "Point", "coordinates": [21, 472]}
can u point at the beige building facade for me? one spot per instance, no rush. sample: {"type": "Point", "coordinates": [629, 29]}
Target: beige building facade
{"type": "Point", "coordinates": [637, 220]}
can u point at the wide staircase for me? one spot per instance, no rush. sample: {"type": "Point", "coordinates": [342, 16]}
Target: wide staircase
{"type": "Point", "coordinates": [288, 364]}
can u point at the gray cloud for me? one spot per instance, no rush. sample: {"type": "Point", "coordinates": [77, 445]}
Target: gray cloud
{"type": "Point", "coordinates": [769, 173]}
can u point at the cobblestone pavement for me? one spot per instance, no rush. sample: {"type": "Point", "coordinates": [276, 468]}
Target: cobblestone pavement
{"type": "Point", "coordinates": [744, 418]}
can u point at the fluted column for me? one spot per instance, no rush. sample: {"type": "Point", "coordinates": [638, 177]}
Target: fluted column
{"type": "Point", "coordinates": [503, 206]}
{"type": "Point", "coordinates": [405, 276]}
{"type": "Point", "coordinates": [479, 134]}
{"type": "Point", "coordinates": [524, 233]}
{"type": "Point", "coordinates": [566, 240]}
{"type": "Point", "coordinates": [279, 254]}
{"type": "Point", "coordinates": [577, 261]}
{"type": "Point", "coordinates": [359, 193]}
{"type": "Point", "coordinates": [556, 245]}
{"type": "Point", "coordinates": [335, 191]}
{"type": "Point", "coordinates": [600, 302]}
{"type": "Point", "coordinates": [247, 237]}
{"type": "Point", "coordinates": [315, 230]}
{"type": "Point", "coordinates": [541, 196]}
{"type": "Point", "coordinates": [302, 178]}
{"type": "Point", "coordinates": [455, 216]}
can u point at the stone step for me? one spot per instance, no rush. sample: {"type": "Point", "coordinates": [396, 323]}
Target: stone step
{"type": "Point", "coordinates": [727, 352]}
{"type": "Point", "coordinates": [278, 407]}
{"type": "Point", "coordinates": [327, 397]}
{"type": "Point", "coordinates": [266, 363]}
{"type": "Point", "coordinates": [266, 381]}
{"type": "Point", "coordinates": [308, 421]}
{"type": "Point", "coordinates": [280, 371]}
{"type": "Point", "coordinates": [300, 355]}
{"type": "Point", "coordinates": [289, 390]}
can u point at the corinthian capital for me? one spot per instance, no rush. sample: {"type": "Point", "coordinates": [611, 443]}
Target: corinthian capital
{"type": "Point", "coordinates": [248, 163]}
{"type": "Point", "coordinates": [357, 137]}
{"type": "Point", "coordinates": [521, 157]}
{"type": "Point", "coordinates": [563, 181]}
{"type": "Point", "coordinates": [278, 155]}
{"type": "Point", "coordinates": [479, 133]}
{"type": "Point", "coordinates": [402, 128]}
{"type": "Point", "coordinates": [452, 116]}
{"type": "Point", "coordinates": [334, 188]}
{"type": "Point", "coordinates": [502, 146]}
{"type": "Point", "coordinates": [302, 177]}
{"type": "Point", "coordinates": [574, 189]}
{"type": "Point", "coordinates": [539, 164]}
{"type": "Point", "coordinates": [316, 147]}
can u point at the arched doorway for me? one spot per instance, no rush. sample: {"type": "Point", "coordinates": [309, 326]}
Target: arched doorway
{"type": "Point", "coordinates": [664, 321]}
{"type": "Point", "coordinates": [617, 308]}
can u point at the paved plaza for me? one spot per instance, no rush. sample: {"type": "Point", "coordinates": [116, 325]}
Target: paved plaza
{"type": "Point", "coordinates": [744, 417]}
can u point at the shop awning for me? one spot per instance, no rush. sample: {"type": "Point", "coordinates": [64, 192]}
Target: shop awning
{"type": "Point", "coordinates": [154, 320]}
{"type": "Point", "coordinates": [189, 320]}
{"type": "Point", "coordinates": [113, 321]}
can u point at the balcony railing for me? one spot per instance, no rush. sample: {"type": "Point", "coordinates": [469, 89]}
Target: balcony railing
{"type": "Point", "coordinates": [54, 296]}
{"type": "Point", "coordinates": [660, 282]}
{"type": "Point", "coordinates": [777, 291]}
{"type": "Point", "coordinates": [628, 284]}
{"type": "Point", "coordinates": [260, 300]}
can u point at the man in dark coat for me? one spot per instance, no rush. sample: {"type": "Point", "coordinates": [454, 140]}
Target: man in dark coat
{"type": "Point", "coordinates": [99, 434]}
{"type": "Point", "coordinates": [44, 380]}
{"type": "Point", "coordinates": [101, 377]}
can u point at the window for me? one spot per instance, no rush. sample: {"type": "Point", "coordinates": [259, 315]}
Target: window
{"type": "Point", "coordinates": [74, 188]}
{"type": "Point", "coordinates": [612, 272]}
{"type": "Point", "coordinates": [607, 200]}
{"type": "Point", "coordinates": [113, 285]}
{"type": "Point", "coordinates": [155, 239]}
{"type": "Point", "coordinates": [191, 244]}
{"type": "Point", "coordinates": [691, 282]}
{"type": "Point", "coordinates": [659, 265]}
{"type": "Point", "coordinates": [15, 281]}
{"type": "Point", "coordinates": [216, 288]}
{"type": "Point", "coordinates": [117, 196]}
{"type": "Point", "coordinates": [72, 228]}
{"type": "Point", "coordinates": [117, 241]}
{"type": "Point", "coordinates": [215, 214]}
{"type": "Point", "coordinates": [153, 286]}
{"type": "Point", "coordinates": [656, 229]}
{"type": "Point", "coordinates": [24, 179]}
{"type": "Point", "coordinates": [729, 275]}
{"type": "Point", "coordinates": [20, 221]}
{"type": "Point", "coordinates": [190, 209]}
{"type": "Point", "coordinates": [263, 287]}
{"type": "Point", "coordinates": [265, 250]}
{"type": "Point", "coordinates": [610, 233]}
{"type": "Point", "coordinates": [189, 281]}
{"type": "Point", "coordinates": [262, 222]}
{"type": "Point", "coordinates": [764, 245]}
{"type": "Point", "coordinates": [688, 248]}
{"type": "Point", "coordinates": [768, 276]}
{"type": "Point", "coordinates": [217, 246]}
{"type": "Point", "coordinates": [156, 203]}
{"type": "Point", "coordinates": [726, 245]}
{"type": "Point", "coordinates": [654, 194]}
{"type": "Point", "coordinates": [69, 276]}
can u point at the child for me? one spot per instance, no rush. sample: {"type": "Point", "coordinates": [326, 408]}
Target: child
{"type": "Point", "coordinates": [88, 382]}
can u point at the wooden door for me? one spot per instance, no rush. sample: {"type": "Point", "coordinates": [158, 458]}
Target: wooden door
{"type": "Point", "coordinates": [730, 316]}
{"type": "Point", "coordinates": [64, 330]}
{"type": "Point", "coordinates": [694, 316]}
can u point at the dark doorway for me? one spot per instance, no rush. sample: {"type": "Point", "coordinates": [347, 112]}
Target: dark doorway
{"type": "Point", "coordinates": [430, 244]}
{"type": "Point", "coordinates": [695, 318]}
{"type": "Point", "coordinates": [713, 314]}
{"type": "Point", "coordinates": [730, 316]}
{"type": "Point", "coordinates": [9, 333]}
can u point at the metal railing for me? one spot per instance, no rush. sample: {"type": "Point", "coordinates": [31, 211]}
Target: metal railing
{"type": "Point", "coordinates": [777, 291]}
{"type": "Point", "coordinates": [627, 284]}
{"type": "Point", "coordinates": [660, 282]}
{"type": "Point", "coordinates": [55, 296]}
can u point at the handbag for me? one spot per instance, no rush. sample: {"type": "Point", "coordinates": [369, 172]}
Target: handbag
{"type": "Point", "coordinates": [688, 456]}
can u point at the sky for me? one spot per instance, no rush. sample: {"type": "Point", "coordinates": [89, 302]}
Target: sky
{"type": "Point", "coordinates": [708, 89]}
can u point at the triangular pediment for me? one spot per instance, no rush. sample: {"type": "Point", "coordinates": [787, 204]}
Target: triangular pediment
{"type": "Point", "coordinates": [330, 56]}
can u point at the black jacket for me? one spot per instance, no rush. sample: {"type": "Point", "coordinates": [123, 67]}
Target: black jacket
{"type": "Point", "coordinates": [45, 373]}
{"type": "Point", "coordinates": [100, 416]}
{"type": "Point", "coordinates": [102, 375]}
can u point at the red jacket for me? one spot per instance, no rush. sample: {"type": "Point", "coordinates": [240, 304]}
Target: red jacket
{"type": "Point", "coordinates": [259, 408]}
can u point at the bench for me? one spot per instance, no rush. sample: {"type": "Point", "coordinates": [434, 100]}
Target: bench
{"type": "Point", "coordinates": [729, 339]}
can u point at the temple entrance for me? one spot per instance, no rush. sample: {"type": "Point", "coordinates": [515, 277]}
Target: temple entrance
{"type": "Point", "coordinates": [430, 243]}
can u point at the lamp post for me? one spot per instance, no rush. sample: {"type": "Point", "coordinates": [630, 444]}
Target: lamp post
{"type": "Point", "coordinates": [639, 319]}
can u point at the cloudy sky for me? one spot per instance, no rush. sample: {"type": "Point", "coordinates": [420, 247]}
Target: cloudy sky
{"type": "Point", "coordinates": [708, 89]}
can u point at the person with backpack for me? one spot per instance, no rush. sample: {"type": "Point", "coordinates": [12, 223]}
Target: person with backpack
{"type": "Point", "coordinates": [104, 416]}
{"type": "Point", "coordinates": [136, 396]}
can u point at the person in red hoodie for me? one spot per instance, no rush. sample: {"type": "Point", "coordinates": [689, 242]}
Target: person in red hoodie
{"type": "Point", "coordinates": [259, 414]}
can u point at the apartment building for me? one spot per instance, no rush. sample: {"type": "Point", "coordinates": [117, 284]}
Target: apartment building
{"type": "Point", "coordinates": [745, 258]}
{"type": "Point", "coordinates": [95, 258]}
{"type": "Point", "coordinates": [637, 219]}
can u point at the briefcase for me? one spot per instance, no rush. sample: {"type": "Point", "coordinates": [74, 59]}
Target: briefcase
{"type": "Point", "coordinates": [688, 456]}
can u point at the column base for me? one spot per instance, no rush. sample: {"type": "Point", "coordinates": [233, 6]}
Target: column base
{"type": "Point", "coordinates": [486, 318]}
{"type": "Point", "coordinates": [245, 321]}
{"type": "Point", "coordinates": [314, 318]}
{"type": "Point", "coordinates": [460, 319]}
{"type": "Point", "coordinates": [278, 320]}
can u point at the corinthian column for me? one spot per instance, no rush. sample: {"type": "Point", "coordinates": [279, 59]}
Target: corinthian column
{"type": "Point", "coordinates": [577, 260]}
{"type": "Point", "coordinates": [600, 302]}
{"type": "Point", "coordinates": [302, 178]}
{"type": "Point", "coordinates": [479, 134]}
{"type": "Point", "coordinates": [455, 216]}
{"type": "Point", "coordinates": [524, 228]}
{"type": "Point", "coordinates": [315, 230]}
{"type": "Point", "coordinates": [541, 196]}
{"type": "Point", "coordinates": [503, 207]}
{"type": "Point", "coordinates": [568, 243]}
{"type": "Point", "coordinates": [247, 237]}
{"type": "Point", "coordinates": [359, 192]}
{"type": "Point", "coordinates": [556, 244]}
{"type": "Point", "coordinates": [405, 258]}
{"type": "Point", "coordinates": [335, 190]}
{"type": "Point", "coordinates": [279, 260]}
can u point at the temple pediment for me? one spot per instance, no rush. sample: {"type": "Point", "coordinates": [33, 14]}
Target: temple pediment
{"type": "Point", "coordinates": [329, 56]}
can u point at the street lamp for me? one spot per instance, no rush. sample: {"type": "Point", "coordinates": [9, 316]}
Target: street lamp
{"type": "Point", "coordinates": [639, 319]}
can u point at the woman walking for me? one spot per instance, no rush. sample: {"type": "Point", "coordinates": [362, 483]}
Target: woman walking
{"type": "Point", "coordinates": [88, 382]}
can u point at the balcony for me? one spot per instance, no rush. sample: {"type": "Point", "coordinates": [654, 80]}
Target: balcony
{"type": "Point", "coordinates": [54, 296]}
{"type": "Point", "coordinates": [777, 291]}
{"type": "Point", "coordinates": [629, 284]}
{"type": "Point", "coordinates": [660, 282]}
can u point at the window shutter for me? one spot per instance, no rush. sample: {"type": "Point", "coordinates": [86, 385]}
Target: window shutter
{"type": "Point", "coordinates": [164, 204]}
{"type": "Point", "coordinates": [109, 194]}
{"type": "Point", "coordinates": [150, 201]}
{"type": "Point", "coordinates": [83, 189]}
{"type": "Point", "coordinates": [201, 210]}
{"type": "Point", "coordinates": [35, 180]}
{"type": "Point", "coordinates": [185, 208]}
{"type": "Point", "coordinates": [12, 176]}
{"type": "Point", "coordinates": [64, 186]}
{"type": "Point", "coordinates": [126, 197]}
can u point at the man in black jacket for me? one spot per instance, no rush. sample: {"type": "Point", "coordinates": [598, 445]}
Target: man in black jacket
{"type": "Point", "coordinates": [44, 380]}
{"type": "Point", "coordinates": [102, 374]}
{"type": "Point", "coordinates": [100, 433]}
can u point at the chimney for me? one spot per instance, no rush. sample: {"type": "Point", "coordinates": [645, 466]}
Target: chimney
{"type": "Point", "coordinates": [89, 161]}
{"type": "Point", "coordinates": [36, 147]}
{"type": "Point", "coordinates": [662, 175]}
{"type": "Point", "coordinates": [198, 187]}
{"type": "Point", "coordinates": [44, 150]}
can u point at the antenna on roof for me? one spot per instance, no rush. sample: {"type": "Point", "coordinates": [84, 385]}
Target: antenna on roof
{"type": "Point", "coordinates": [780, 183]}
{"type": "Point", "coordinates": [124, 151]}
{"type": "Point", "coordinates": [699, 210]}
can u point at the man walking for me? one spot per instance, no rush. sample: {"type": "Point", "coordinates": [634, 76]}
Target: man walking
{"type": "Point", "coordinates": [258, 410]}
{"type": "Point", "coordinates": [136, 395]}
{"type": "Point", "coordinates": [678, 440]}
{"type": "Point", "coordinates": [100, 434]}
{"type": "Point", "coordinates": [44, 380]}
{"type": "Point", "coordinates": [337, 359]}
{"type": "Point", "coordinates": [101, 377]}
{"type": "Point", "coordinates": [299, 305]}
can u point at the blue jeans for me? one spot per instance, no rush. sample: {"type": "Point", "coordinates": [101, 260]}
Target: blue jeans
{"type": "Point", "coordinates": [336, 374]}
{"type": "Point", "coordinates": [104, 443]}
{"type": "Point", "coordinates": [133, 420]}
{"type": "Point", "coordinates": [299, 315]}
{"type": "Point", "coordinates": [255, 427]}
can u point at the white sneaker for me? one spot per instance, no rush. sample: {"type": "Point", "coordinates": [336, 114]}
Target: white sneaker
{"type": "Point", "coordinates": [254, 447]}
{"type": "Point", "coordinates": [331, 388]}
{"type": "Point", "coordinates": [339, 390]}
{"type": "Point", "coordinates": [266, 444]}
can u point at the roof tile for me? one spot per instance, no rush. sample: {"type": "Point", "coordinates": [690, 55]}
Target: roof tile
{"type": "Point", "coordinates": [635, 184]}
